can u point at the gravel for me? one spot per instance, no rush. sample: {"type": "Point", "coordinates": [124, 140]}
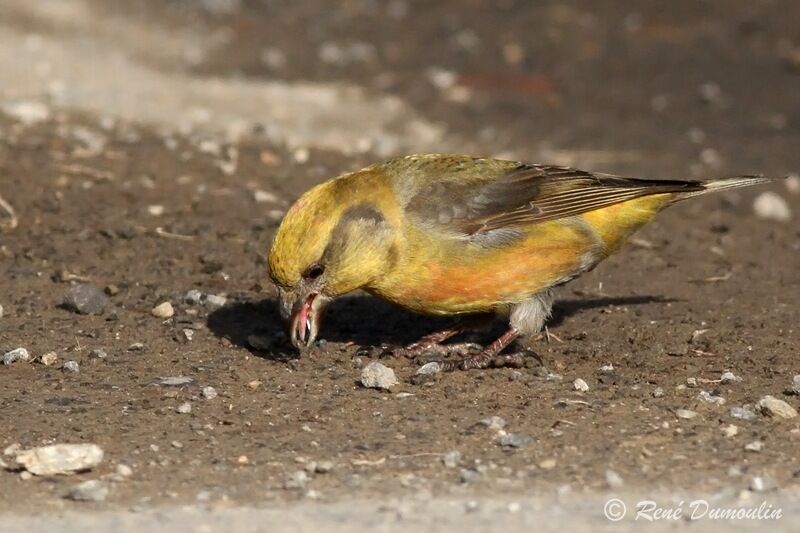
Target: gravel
{"type": "Point", "coordinates": [71, 366]}
{"type": "Point", "coordinates": [209, 393]}
{"type": "Point", "coordinates": [686, 414]}
{"type": "Point", "coordinates": [580, 385]}
{"type": "Point", "coordinates": [215, 300]}
{"type": "Point", "coordinates": [98, 353]}
{"type": "Point", "coordinates": [92, 490]}
{"type": "Point", "coordinates": [513, 440]}
{"type": "Point", "coordinates": [49, 359]}
{"type": "Point", "coordinates": [771, 206]}
{"type": "Point", "coordinates": [378, 376]}
{"type": "Point", "coordinates": [795, 388]}
{"type": "Point", "coordinates": [86, 299]}
{"type": "Point", "coordinates": [451, 459]}
{"type": "Point", "coordinates": [18, 354]}
{"type": "Point", "coordinates": [743, 413]}
{"type": "Point", "coordinates": [184, 408]}
{"type": "Point", "coordinates": [493, 422]}
{"type": "Point", "coordinates": [193, 297]}
{"type": "Point", "coordinates": [175, 381]}
{"type": "Point", "coordinates": [773, 407]}
{"type": "Point", "coordinates": [729, 377]}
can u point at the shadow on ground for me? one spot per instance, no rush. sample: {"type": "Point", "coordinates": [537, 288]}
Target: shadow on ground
{"type": "Point", "coordinates": [368, 321]}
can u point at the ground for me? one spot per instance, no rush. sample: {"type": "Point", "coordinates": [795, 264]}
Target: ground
{"type": "Point", "coordinates": [150, 149]}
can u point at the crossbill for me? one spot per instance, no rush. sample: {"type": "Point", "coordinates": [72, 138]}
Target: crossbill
{"type": "Point", "coordinates": [458, 235]}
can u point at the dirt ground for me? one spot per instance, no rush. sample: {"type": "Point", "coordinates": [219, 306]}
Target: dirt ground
{"type": "Point", "coordinates": [112, 188]}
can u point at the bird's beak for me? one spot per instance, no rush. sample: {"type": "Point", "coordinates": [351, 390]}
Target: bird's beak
{"type": "Point", "coordinates": [306, 322]}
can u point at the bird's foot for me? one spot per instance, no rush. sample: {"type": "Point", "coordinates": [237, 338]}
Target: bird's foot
{"type": "Point", "coordinates": [420, 348]}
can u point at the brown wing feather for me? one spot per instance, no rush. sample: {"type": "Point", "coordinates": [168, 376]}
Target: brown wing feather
{"type": "Point", "coordinates": [521, 194]}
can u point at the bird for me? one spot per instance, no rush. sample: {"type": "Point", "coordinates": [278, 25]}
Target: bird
{"type": "Point", "coordinates": [456, 235]}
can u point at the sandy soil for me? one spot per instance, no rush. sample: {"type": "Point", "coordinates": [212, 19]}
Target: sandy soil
{"type": "Point", "coordinates": [151, 148]}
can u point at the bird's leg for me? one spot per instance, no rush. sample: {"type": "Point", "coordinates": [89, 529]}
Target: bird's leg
{"type": "Point", "coordinates": [433, 342]}
{"type": "Point", "coordinates": [489, 356]}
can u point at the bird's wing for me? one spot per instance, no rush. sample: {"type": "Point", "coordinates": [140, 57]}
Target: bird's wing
{"type": "Point", "coordinates": [489, 195]}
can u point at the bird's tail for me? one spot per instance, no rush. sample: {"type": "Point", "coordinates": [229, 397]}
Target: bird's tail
{"type": "Point", "coordinates": [722, 184]}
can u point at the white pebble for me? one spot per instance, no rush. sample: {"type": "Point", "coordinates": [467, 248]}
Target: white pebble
{"type": "Point", "coordinates": [71, 366]}
{"type": "Point", "coordinates": [28, 112]}
{"type": "Point", "coordinates": [209, 393]}
{"type": "Point", "coordinates": [163, 310]}
{"type": "Point", "coordinates": [49, 359]}
{"type": "Point", "coordinates": [60, 458]}
{"type": "Point", "coordinates": [729, 377]}
{"type": "Point", "coordinates": [193, 297]}
{"type": "Point", "coordinates": [793, 183]}
{"type": "Point", "coordinates": [124, 470]}
{"type": "Point", "coordinates": [18, 354]}
{"type": "Point", "coordinates": [771, 206]}
{"type": "Point", "coordinates": [580, 385]}
{"type": "Point", "coordinates": [731, 430]}
{"type": "Point", "coordinates": [429, 368]}
{"type": "Point", "coordinates": [771, 406]}
{"type": "Point", "coordinates": [685, 414]}
{"type": "Point", "coordinates": [216, 300]}
{"type": "Point", "coordinates": [156, 210]}
{"type": "Point", "coordinates": [184, 408]}
{"type": "Point", "coordinates": [263, 197]}
{"type": "Point", "coordinates": [378, 376]}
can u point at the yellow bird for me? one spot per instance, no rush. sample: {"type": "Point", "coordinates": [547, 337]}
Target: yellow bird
{"type": "Point", "coordinates": [458, 235]}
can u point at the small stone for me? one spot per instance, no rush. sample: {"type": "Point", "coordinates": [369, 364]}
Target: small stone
{"type": "Point", "coordinates": [49, 359]}
{"type": "Point", "coordinates": [771, 406]}
{"type": "Point", "coordinates": [691, 382]}
{"type": "Point", "coordinates": [429, 369]}
{"type": "Point", "coordinates": [184, 335]}
{"type": "Point", "coordinates": [60, 458]}
{"type": "Point", "coordinates": [175, 381]}
{"type": "Point", "coordinates": [686, 414]}
{"type": "Point", "coordinates": [215, 300]}
{"type": "Point", "coordinates": [493, 422]}
{"type": "Point", "coordinates": [729, 377]}
{"type": "Point", "coordinates": [111, 289]}
{"type": "Point", "coordinates": [1, 311]}
{"type": "Point", "coordinates": [124, 470]}
{"type": "Point", "coordinates": [547, 464]}
{"type": "Point", "coordinates": [580, 385]}
{"type": "Point", "coordinates": [451, 459]}
{"type": "Point", "coordinates": [755, 446]}
{"type": "Point", "coordinates": [25, 475]}
{"type": "Point", "coordinates": [253, 385]}
{"type": "Point", "coordinates": [163, 310]}
{"type": "Point", "coordinates": [193, 297]}
{"type": "Point", "coordinates": [470, 475]}
{"type": "Point", "coordinates": [28, 112]}
{"type": "Point", "coordinates": [614, 480]}
{"type": "Point", "coordinates": [743, 413]}
{"type": "Point", "coordinates": [512, 440]}
{"type": "Point", "coordinates": [98, 353]}
{"type": "Point", "coordinates": [771, 206]}
{"type": "Point", "coordinates": [793, 183]}
{"type": "Point", "coordinates": [323, 467]}
{"type": "Point", "coordinates": [795, 388]}
{"type": "Point", "coordinates": [209, 393]}
{"type": "Point", "coordinates": [18, 354]}
{"type": "Point", "coordinates": [136, 347]}
{"type": "Point", "coordinates": [184, 408]}
{"type": "Point", "coordinates": [92, 490]}
{"type": "Point", "coordinates": [762, 484]}
{"type": "Point", "coordinates": [297, 480]}
{"type": "Point", "coordinates": [378, 376]}
{"type": "Point", "coordinates": [86, 299]}
{"type": "Point", "coordinates": [731, 430]}
{"type": "Point", "coordinates": [71, 366]}
{"type": "Point", "coordinates": [658, 392]}
{"type": "Point", "coordinates": [156, 210]}
{"type": "Point", "coordinates": [710, 398]}
{"type": "Point", "coordinates": [264, 197]}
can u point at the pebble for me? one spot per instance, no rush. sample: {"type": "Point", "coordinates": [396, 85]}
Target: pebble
{"type": "Point", "coordinates": [18, 354]}
{"type": "Point", "coordinates": [755, 446]}
{"type": "Point", "coordinates": [580, 385]}
{"type": "Point", "coordinates": [1, 311]}
{"type": "Point", "coordinates": [155, 210]}
{"type": "Point", "coordinates": [795, 389]}
{"type": "Point", "coordinates": [451, 459]}
{"type": "Point", "coordinates": [762, 484]}
{"type": "Point", "coordinates": [729, 377]}
{"type": "Point", "coordinates": [193, 297]}
{"type": "Point", "coordinates": [28, 112]}
{"type": "Point", "coordinates": [71, 366]}
{"type": "Point", "coordinates": [711, 398]}
{"type": "Point", "coordinates": [658, 392]}
{"type": "Point", "coordinates": [60, 458]}
{"type": "Point", "coordinates": [731, 430]}
{"type": "Point", "coordinates": [743, 413]}
{"type": "Point", "coordinates": [771, 206]}
{"type": "Point", "coordinates": [378, 376]}
{"type": "Point", "coordinates": [470, 475]}
{"type": "Point", "coordinates": [98, 353]}
{"type": "Point", "coordinates": [86, 299]}
{"type": "Point", "coordinates": [123, 470]}
{"type": "Point", "coordinates": [513, 440]}
{"type": "Point", "coordinates": [216, 300]}
{"type": "Point", "coordinates": [771, 406]}
{"type": "Point", "coordinates": [614, 480]}
{"type": "Point", "coordinates": [547, 464]}
{"type": "Point", "coordinates": [687, 414]}
{"type": "Point", "coordinates": [297, 480]}
{"type": "Point", "coordinates": [175, 381]}
{"type": "Point", "coordinates": [209, 393]}
{"type": "Point", "coordinates": [49, 359]}
{"type": "Point", "coordinates": [323, 467]}
{"type": "Point", "coordinates": [493, 422]}
{"type": "Point", "coordinates": [264, 197]}
{"type": "Point", "coordinates": [184, 408]}
{"type": "Point", "coordinates": [92, 490]}
{"type": "Point", "coordinates": [429, 369]}
{"type": "Point", "coordinates": [793, 183]}
{"type": "Point", "coordinates": [163, 310]}
{"type": "Point", "coordinates": [136, 347]}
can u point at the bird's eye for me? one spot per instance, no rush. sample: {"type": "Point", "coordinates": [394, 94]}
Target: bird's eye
{"type": "Point", "coordinates": [314, 271]}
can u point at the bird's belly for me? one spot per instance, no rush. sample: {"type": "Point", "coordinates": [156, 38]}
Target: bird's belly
{"type": "Point", "coordinates": [469, 279]}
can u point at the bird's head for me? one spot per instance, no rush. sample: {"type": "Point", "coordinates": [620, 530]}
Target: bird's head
{"type": "Point", "coordinates": [332, 241]}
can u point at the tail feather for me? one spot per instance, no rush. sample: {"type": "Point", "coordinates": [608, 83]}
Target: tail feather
{"type": "Point", "coordinates": [723, 184]}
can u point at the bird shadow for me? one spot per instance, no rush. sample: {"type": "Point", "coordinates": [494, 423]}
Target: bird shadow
{"type": "Point", "coordinates": [367, 321]}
